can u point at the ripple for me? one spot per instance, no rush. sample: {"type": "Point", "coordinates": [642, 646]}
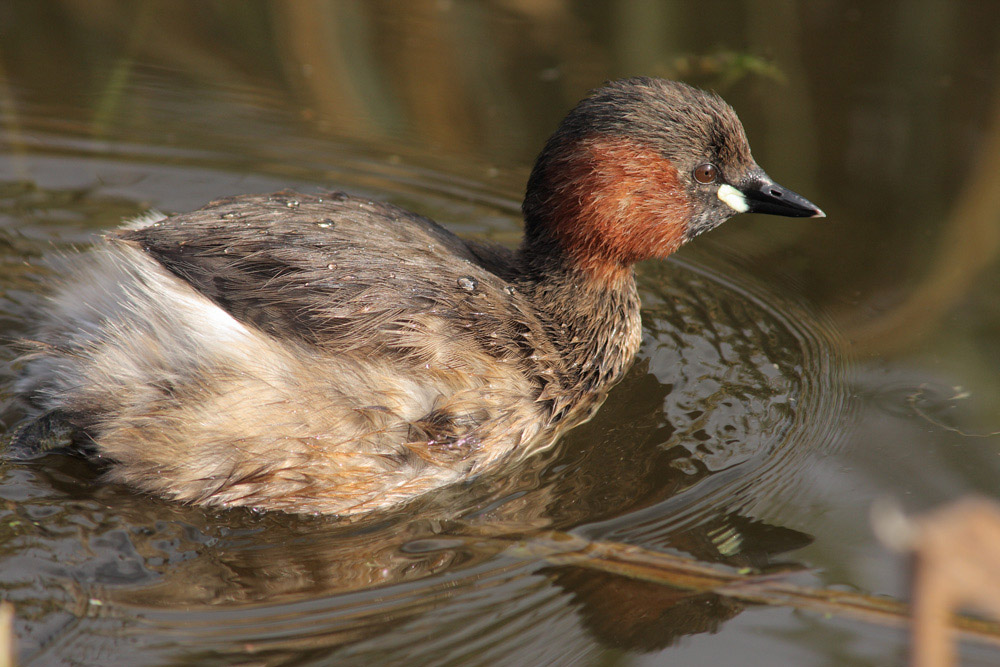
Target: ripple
{"type": "Point", "coordinates": [735, 389]}
{"type": "Point", "coordinates": [754, 389]}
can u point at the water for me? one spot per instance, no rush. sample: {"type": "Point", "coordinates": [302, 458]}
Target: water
{"type": "Point", "coordinates": [791, 371]}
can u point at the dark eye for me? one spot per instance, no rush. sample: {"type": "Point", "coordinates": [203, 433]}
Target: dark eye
{"type": "Point", "coordinates": [706, 173]}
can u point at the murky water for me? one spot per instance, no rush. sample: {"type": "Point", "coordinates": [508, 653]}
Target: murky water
{"type": "Point", "coordinates": [791, 371]}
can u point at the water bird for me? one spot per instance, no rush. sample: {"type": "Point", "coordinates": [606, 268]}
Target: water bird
{"type": "Point", "coordinates": [323, 353]}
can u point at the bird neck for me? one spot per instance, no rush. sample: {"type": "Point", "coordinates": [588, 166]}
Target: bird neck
{"type": "Point", "coordinates": [593, 320]}
{"type": "Point", "coordinates": [594, 206]}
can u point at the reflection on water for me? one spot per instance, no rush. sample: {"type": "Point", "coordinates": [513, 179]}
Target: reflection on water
{"type": "Point", "coordinates": [747, 428]}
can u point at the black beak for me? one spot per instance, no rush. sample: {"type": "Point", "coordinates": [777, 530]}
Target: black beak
{"type": "Point", "coordinates": [765, 196]}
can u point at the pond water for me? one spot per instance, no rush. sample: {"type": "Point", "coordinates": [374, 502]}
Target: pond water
{"type": "Point", "coordinates": [792, 371]}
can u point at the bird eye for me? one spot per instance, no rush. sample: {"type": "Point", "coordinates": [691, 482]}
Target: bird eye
{"type": "Point", "coordinates": [706, 173]}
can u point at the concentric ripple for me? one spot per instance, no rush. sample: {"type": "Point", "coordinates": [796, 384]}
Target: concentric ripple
{"type": "Point", "coordinates": [756, 389]}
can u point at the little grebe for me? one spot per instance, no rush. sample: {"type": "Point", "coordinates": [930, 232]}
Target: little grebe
{"type": "Point", "coordinates": [331, 354]}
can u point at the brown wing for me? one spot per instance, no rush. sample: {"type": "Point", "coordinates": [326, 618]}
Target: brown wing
{"type": "Point", "coordinates": [347, 275]}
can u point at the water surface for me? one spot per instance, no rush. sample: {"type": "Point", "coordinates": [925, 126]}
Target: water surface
{"type": "Point", "coordinates": [791, 371]}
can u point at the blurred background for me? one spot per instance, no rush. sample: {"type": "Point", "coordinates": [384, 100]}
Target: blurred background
{"type": "Point", "coordinates": [793, 371]}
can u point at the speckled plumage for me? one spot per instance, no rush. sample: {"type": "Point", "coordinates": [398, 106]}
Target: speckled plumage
{"type": "Point", "coordinates": [324, 353]}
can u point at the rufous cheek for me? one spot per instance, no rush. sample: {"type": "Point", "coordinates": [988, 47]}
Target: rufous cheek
{"type": "Point", "coordinates": [617, 203]}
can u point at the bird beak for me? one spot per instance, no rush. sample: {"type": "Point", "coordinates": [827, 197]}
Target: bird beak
{"type": "Point", "coordinates": [762, 195]}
